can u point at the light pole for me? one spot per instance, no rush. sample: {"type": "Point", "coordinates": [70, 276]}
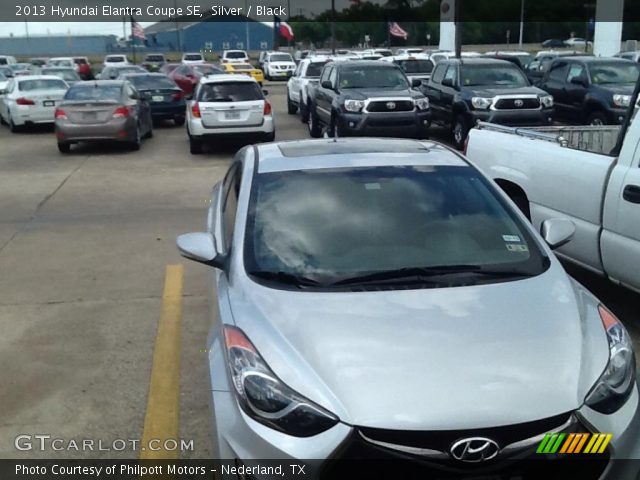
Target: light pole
{"type": "Point", "coordinates": [521, 23]}
{"type": "Point", "coordinates": [333, 27]}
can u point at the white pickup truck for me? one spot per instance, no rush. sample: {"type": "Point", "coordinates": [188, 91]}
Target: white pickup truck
{"type": "Point", "coordinates": [568, 172]}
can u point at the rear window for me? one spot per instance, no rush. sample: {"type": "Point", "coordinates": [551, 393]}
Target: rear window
{"type": "Point", "coordinates": [314, 69]}
{"type": "Point", "coordinates": [114, 59]}
{"type": "Point", "coordinates": [242, 66]}
{"type": "Point", "coordinates": [79, 61]}
{"type": "Point", "coordinates": [104, 92]}
{"type": "Point", "coordinates": [235, 55]}
{"type": "Point", "coordinates": [193, 57]}
{"type": "Point", "coordinates": [41, 84]}
{"type": "Point", "coordinates": [416, 66]}
{"type": "Point", "coordinates": [230, 92]}
{"type": "Point", "coordinates": [208, 70]}
{"type": "Point", "coordinates": [154, 58]}
{"type": "Point", "coordinates": [63, 74]}
{"type": "Point", "coordinates": [149, 82]}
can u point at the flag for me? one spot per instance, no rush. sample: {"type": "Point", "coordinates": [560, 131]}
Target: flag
{"type": "Point", "coordinates": [283, 28]}
{"type": "Point", "coordinates": [397, 31]}
{"type": "Point", "coordinates": [136, 30]}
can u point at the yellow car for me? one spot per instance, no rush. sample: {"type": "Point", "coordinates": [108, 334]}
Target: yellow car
{"type": "Point", "coordinates": [246, 69]}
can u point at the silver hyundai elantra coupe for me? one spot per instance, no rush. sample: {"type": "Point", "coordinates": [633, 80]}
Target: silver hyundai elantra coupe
{"type": "Point", "coordinates": [383, 299]}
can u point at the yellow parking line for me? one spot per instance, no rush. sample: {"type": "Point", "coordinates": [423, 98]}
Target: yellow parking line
{"type": "Point", "coordinates": [161, 419]}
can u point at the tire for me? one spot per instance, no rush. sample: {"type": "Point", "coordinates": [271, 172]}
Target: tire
{"type": "Point", "coordinates": [304, 112]}
{"type": "Point", "coordinates": [597, 119]}
{"type": "Point", "coordinates": [292, 108]}
{"type": "Point", "coordinates": [2, 122]}
{"type": "Point", "coordinates": [269, 137]}
{"type": "Point", "coordinates": [149, 133]}
{"type": "Point", "coordinates": [460, 130]}
{"type": "Point", "coordinates": [195, 146]}
{"type": "Point", "coordinates": [12, 126]}
{"type": "Point", "coordinates": [64, 147]}
{"type": "Point", "coordinates": [334, 131]}
{"type": "Point", "coordinates": [179, 120]}
{"type": "Point", "coordinates": [135, 144]}
{"type": "Point", "coordinates": [315, 130]}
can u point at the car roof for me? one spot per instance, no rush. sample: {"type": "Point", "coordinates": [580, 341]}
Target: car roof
{"type": "Point", "coordinates": [37, 77]}
{"type": "Point", "coordinates": [364, 63]}
{"type": "Point", "coordinates": [588, 59]}
{"type": "Point", "coordinates": [476, 61]}
{"type": "Point", "coordinates": [227, 77]}
{"type": "Point", "coordinates": [353, 152]}
{"type": "Point", "coordinates": [98, 83]}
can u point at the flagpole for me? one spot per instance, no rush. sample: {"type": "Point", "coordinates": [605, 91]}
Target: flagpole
{"type": "Point", "coordinates": [133, 39]}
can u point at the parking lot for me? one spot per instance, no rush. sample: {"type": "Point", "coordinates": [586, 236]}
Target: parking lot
{"type": "Point", "coordinates": [85, 241]}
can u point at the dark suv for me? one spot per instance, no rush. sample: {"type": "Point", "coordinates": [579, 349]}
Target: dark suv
{"type": "Point", "coordinates": [591, 90]}
{"type": "Point", "coordinates": [371, 98]}
{"type": "Point", "coordinates": [462, 92]}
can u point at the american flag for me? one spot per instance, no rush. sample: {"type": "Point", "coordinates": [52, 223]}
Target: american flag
{"type": "Point", "coordinates": [397, 31]}
{"type": "Point", "coordinates": [136, 30]}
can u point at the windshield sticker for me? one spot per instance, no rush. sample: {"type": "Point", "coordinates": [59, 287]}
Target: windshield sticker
{"type": "Point", "coordinates": [514, 247]}
{"type": "Point", "coordinates": [511, 238]}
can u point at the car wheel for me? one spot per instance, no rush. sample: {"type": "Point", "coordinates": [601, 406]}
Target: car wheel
{"type": "Point", "coordinates": [149, 133]}
{"type": "Point", "coordinates": [12, 126]}
{"type": "Point", "coordinates": [270, 137]}
{"type": "Point", "coordinates": [179, 120]}
{"type": "Point", "coordinates": [64, 147]}
{"type": "Point", "coordinates": [314, 124]}
{"type": "Point", "coordinates": [460, 131]}
{"type": "Point", "coordinates": [291, 107]}
{"type": "Point", "coordinates": [304, 112]}
{"type": "Point", "coordinates": [195, 146]}
{"type": "Point", "coordinates": [597, 119]}
{"type": "Point", "coordinates": [135, 144]}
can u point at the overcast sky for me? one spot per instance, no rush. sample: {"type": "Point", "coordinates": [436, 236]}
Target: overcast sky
{"type": "Point", "coordinates": [19, 29]}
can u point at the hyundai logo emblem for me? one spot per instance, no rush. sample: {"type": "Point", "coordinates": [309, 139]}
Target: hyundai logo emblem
{"type": "Point", "coordinates": [475, 449]}
{"type": "Point", "coordinates": [391, 106]}
{"type": "Point", "coordinates": [518, 103]}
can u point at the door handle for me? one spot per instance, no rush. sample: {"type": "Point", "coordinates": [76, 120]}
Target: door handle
{"type": "Point", "coordinates": [631, 193]}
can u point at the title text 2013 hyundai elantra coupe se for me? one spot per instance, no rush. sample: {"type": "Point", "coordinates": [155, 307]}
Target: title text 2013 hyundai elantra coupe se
{"type": "Point", "coordinates": [382, 299]}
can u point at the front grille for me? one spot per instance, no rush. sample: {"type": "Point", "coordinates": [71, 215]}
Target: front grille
{"type": "Point", "coordinates": [360, 458]}
{"type": "Point", "coordinates": [390, 106]}
{"type": "Point", "coordinates": [514, 103]}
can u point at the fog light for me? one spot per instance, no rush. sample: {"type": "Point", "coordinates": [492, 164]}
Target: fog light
{"type": "Point", "coordinates": [352, 124]}
{"type": "Point", "coordinates": [425, 122]}
{"type": "Point", "coordinates": [620, 119]}
{"type": "Point", "coordinates": [550, 119]}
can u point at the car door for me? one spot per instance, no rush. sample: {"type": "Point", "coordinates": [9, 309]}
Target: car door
{"type": "Point", "coordinates": [294, 82]}
{"type": "Point", "coordinates": [554, 84]}
{"type": "Point", "coordinates": [324, 95]}
{"type": "Point", "coordinates": [4, 99]}
{"type": "Point", "coordinates": [143, 107]}
{"type": "Point", "coordinates": [576, 88]}
{"type": "Point", "coordinates": [432, 90]}
{"type": "Point", "coordinates": [448, 91]}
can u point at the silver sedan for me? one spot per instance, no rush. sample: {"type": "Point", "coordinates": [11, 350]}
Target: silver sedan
{"type": "Point", "coordinates": [384, 299]}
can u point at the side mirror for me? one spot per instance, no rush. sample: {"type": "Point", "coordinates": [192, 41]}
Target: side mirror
{"type": "Point", "coordinates": [579, 81]}
{"type": "Point", "coordinates": [200, 247]}
{"type": "Point", "coordinates": [327, 84]}
{"type": "Point", "coordinates": [557, 231]}
{"type": "Point", "coordinates": [447, 82]}
{"type": "Point", "coordinates": [416, 82]}
{"type": "Point", "coordinates": [265, 92]}
{"type": "Point", "coordinates": [3, 92]}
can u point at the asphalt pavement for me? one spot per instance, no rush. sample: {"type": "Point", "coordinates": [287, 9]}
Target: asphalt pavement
{"type": "Point", "coordinates": [85, 242]}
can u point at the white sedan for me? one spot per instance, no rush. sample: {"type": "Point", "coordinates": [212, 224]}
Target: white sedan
{"type": "Point", "coordinates": [226, 106]}
{"type": "Point", "coordinates": [31, 99]}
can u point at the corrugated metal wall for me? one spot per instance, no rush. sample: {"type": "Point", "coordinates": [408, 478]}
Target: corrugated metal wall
{"type": "Point", "coordinates": [56, 45]}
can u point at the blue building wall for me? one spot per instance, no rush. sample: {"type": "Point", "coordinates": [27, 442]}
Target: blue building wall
{"type": "Point", "coordinates": [61, 45]}
{"type": "Point", "coordinates": [216, 36]}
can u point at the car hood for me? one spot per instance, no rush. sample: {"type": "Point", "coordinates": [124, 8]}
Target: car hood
{"type": "Point", "coordinates": [363, 93]}
{"type": "Point", "coordinates": [619, 88]}
{"type": "Point", "coordinates": [448, 358]}
{"type": "Point", "coordinates": [492, 92]}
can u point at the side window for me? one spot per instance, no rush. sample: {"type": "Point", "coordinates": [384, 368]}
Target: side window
{"type": "Point", "coordinates": [438, 74]}
{"type": "Point", "coordinates": [558, 72]}
{"type": "Point", "coordinates": [332, 76]}
{"type": "Point", "coordinates": [452, 74]}
{"type": "Point", "coordinates": [231, 189]}
{"type": "Point", "coordinates": [575, 71]}
{"type": "Point", "coordinates": [325, 74]}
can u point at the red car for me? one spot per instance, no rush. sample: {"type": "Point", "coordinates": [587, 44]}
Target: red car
{"type": "Point", "coordinates": [188, 76]}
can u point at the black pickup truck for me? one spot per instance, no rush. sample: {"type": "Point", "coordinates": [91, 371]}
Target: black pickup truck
{"type": "Point", "coordinates": [463, 91]}
{"type": "Point", "coordinates": [591, 90]}
{"type": "Point", "coordinates": [370, 98]}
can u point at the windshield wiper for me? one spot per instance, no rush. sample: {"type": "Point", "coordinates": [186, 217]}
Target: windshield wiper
{"type": "Point", "coordinates": [423, 273]}
{"type": "Point", "coordinates": [285, 278]}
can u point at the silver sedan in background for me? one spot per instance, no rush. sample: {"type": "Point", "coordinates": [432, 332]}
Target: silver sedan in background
{"type": "Point", "coordinates": [383, 299]}
{"type": "Point", "coordinates": [102, 110]}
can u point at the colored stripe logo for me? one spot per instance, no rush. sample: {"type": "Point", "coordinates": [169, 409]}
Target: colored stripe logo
{"type": "Point", "coordinates": [574, 443]}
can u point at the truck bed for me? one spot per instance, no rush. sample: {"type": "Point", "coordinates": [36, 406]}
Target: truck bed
{"type": "Point", "coordinates": [599, 140]}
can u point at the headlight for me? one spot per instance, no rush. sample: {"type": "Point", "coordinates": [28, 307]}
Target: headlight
{"type": "Point", "coordinates": [621, 100]}
{"type": "Point", "coordinates": [353, 105]}
{"type": "Point", "coordinates": [615, 385]}
{"type": "Point", "coordinates": [481, 103]}
{"type": "Point", "coordinates": [265, 398]}
{"type": "Point", "coordinates": [546, 101]}
{"type": "Point", "coordinates": [421, 103]}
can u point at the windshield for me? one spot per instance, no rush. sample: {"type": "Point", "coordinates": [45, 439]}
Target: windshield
{"type": "Point", "coordinates": [607, 73]}
{"type": "Point", "coordinates": [361, 221]}
{"type": "Point", "coordinates": [150, 82]}
{"type": "Point", "coordinates": [117, 59]}
{"type": "Point", "coordinates": [154, 58]}
{"type": "Point", "coordinates": [207, 70]}
{"type": "Point", "coordinates": [193, 57]}
{"type": "Point", "coordinates": [235, 55]}
{"type": "Point", "coordinates": [94, 93]}
{"type": "Point", "coordinates": [41, 84]}
{"type": "Point", "coordinates": [492, 75]}
{"type": "Point", "coordinates": [373, 77]}
{"type": "Point", "coordinates": [230, 92]}
{"type": "Point", "coordinates": [63, 74]}
{"type": "Point", "coordinates": [281, 57]}
{"type": "Point", "coordinates": [314, 69]}
{"type": "Point", "coordinates": [61, 63]}
{"type": "Point", "coordinates": [416, 66]}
